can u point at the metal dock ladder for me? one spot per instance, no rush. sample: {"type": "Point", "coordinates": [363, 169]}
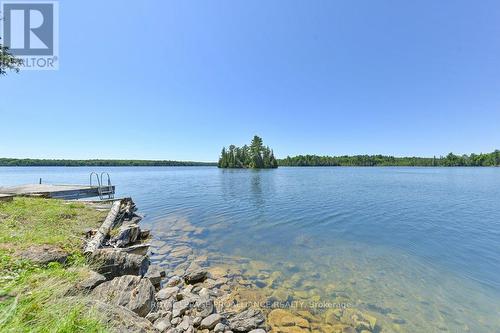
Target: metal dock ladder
{"type": "Point", "coordinates": [103, 190]}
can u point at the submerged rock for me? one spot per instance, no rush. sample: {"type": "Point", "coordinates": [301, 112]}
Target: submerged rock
{"type": "Point", "coordinates": [359, 320]}
{"type": "Point", "coordinates": [246, 320]}
{"type": "Point", "coordinates": [195, 276]}
{"type": "Point", "coordinates": [280, 317]}
{"type": "Point", "coordinates": [129, 291]}
{"type": "Point", "coordinates": [139, 249]}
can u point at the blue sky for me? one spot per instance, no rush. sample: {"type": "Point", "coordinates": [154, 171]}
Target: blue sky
{"type": "Point", "coordinates": [180, 79]}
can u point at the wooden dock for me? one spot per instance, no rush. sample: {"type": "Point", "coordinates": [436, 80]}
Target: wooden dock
{"type": "Point", "coordinates": [6, 197]}
{"type": "Point", "coordinates": [67, 192]}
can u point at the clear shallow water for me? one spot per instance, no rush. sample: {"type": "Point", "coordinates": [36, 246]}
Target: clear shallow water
{"type": "Point", "coordinates": [417, 247]}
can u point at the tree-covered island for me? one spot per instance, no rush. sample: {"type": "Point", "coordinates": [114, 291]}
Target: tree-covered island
{"type": "Point", "coordinates": [255, 156]}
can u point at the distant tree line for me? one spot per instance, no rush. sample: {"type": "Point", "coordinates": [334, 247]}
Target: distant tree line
{"type": "Point", "coordinates": [255, 156]}
{"type": "Point", "coordinates": [48, 162]}
{"type": "Point", "coordinates": [450, 160]}
{"type": "Point", "coordinates": [258, 156]}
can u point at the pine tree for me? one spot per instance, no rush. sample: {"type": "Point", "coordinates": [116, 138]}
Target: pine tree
{"type": "Point", "coordinates": [254, 156]}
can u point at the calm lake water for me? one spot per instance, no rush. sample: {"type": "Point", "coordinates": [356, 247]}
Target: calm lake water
{"type": "Point", "coordinates": [419, 248]}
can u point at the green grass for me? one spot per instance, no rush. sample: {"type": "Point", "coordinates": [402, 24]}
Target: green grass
{"type": "Point", "coordinates": [34, 221]}
{"type": "Point", "coordinates": [34, 298]}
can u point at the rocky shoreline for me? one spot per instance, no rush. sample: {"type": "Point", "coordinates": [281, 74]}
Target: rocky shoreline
{"type": "Point", "coordinates": [143, 282]}
{"type": "Point", "coordinates": [137, 296]}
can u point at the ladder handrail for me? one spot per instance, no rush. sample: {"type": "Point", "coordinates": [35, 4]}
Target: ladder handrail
{"type": "Point", "coordinates": [101, 189]}
{"type": "Point", "coordinates": [110, 189]}
{"type": "Point", "coordinates": [97, 177]}
{"type": "Point", "coordinates": [107, 174]}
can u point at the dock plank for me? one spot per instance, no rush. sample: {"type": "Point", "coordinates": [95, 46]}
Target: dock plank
{"type": "Point", "coordinates": [54, 191]}
{"type": "Point", "coordinates": [6, 197]}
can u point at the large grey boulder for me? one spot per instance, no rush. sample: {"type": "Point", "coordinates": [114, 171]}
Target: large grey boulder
{"type": "Point", "coordinates": [120, 319]}
{"type": "Point", "coordinates": [127, 234]}
{"type": "Point", "coordinates": [129, 291]}
{"type": "Point", "coordinates": [247, 320]}
{"type": "Point", "coordinates": [115, 263]}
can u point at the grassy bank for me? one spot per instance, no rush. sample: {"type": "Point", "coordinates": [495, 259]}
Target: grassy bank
{"type": "Point", "coordinates": [32, 296]}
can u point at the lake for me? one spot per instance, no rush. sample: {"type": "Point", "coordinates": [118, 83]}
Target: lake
{"type": "Point", "coordinates": [418, 248]}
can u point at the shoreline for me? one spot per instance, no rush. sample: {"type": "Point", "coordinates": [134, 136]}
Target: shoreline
{"type": "Point", "coordinates": [172, 288]}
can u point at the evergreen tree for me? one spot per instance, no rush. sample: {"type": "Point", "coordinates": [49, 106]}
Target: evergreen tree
{"type": "Point", "coordinates": [254, 156]}
{"type": "Point", "coordinates": [8, 62]}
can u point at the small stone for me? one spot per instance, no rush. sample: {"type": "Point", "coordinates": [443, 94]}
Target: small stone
{"type": "Point", "coordinates": [153, 316]}
{"type": "Point", "coordinates": [186, 323]}
{"type": "Point", "coordinates": [166, 293]}
{"type": "Point", "coordinates": [145, 233]}
{"type": "Point", "coordinates": [204, 307]}
{"type": "Point", "coordinates": [259, 330]}
{"type": "Point", "coordinates": [167, 305]}
{"type": "Point", "coordinates": [154, 274]}
{"type": "Point", "coordinates": [175, 321]}
{"type": "Point", "coordinates": [186, 294]}
{"type": "Point", "coordinates": [173, 281]}
{"type": "Point", "coordinates": [348, 329]}
{"type": "Point", "coordinates": [210, 321]}
{"type": "Point", "coordinates": [204, 292]}
{"type": "Point", "coordinates": [162, 325]}
{"type": "Point", "coordinates": [197, 321]}
{"type": "Point", "coordinates": [219, 328]}
{"type": "Point", "coordinates": [179, 308]}
{"type": "Point", "coordinates": [195, 276]}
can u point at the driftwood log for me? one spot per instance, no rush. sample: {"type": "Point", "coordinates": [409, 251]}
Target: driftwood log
{"type": "Point", "coordinates": [103, 231]}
